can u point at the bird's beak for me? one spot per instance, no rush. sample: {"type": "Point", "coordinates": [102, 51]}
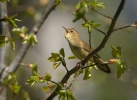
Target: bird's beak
{"type": "Point", "coordinates": [65, 29]}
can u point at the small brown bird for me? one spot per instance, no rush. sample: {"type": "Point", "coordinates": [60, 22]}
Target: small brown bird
{"type": "Point", "coordinates": [81, 49]}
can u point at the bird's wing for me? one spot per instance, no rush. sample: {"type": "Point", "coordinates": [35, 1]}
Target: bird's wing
{"type": "Point", "coordinates": [85, 46]}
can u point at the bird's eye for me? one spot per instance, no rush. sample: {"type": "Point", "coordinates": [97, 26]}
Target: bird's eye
{"type": "Point", "coordinates": [71, 31]}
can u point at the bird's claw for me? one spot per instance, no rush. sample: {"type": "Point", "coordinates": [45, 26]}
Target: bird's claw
{"type": "Point", "coordinates": [79, 65]}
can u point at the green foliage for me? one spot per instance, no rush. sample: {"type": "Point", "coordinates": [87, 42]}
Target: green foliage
{"type": "Point", "coordinates": [36, 77]}
{"type": "Point", "coordinates": [47, 88]}
{"type": "Point", "coordinates": [27, 38]}
{"type": "Point", "coordinates": [57, 1]}
{"type": "Point", "coordinates": [12, 83]}
{"type": "Point", "coordinates": [11, 20]}
{"type": "Point", "coordinates": [86, 4]}
{"type": "Point", "coordinates": [58, 58]}
{"type": "Point", "coordinates": [87, 73]}
{"type": "Point", "coordinates": [121, 65]}
{"type": "Point", "coordinates": [81, 10]}
{"type": "Point", "coordinates": [25, 95]}
{"type": "Point", "coordinates": [90, 25]}
{"type": "Point", "coordinates": [4, 0]}
{"type": "Point", "coordinates": [72, 57]}
{"type": "Point", "coordinates": [116, 51]}
{"type": "Point", "coordinates": [66, 95]}
{"type": "Point", "coordinates": [78, 15]}
{"type": "Point", "coordinates": [4, 40]}
{"type": "Point", "coordinates": [47, 77]}
{"type": "Point", "coordinates": [94, 4]}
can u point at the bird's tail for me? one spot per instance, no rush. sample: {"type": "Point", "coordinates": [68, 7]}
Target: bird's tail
{"type": "Point", "coordinates": [100, 64]}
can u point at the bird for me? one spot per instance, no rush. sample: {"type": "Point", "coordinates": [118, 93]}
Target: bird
{"type": "Point", "coordinates": [81, 49]}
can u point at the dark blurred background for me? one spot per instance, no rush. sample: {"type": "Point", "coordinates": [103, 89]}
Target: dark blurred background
{"type": "Point", "coordinates": [100, 86]}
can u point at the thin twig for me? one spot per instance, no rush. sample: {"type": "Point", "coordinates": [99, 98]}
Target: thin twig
{"type": "Point", "coordinates": [101, 13]}
{"type": "Point", "coordinates": [89, 39]}
{"type": "Point", "coordinates": [122, 27]}
{"type": "Point", "coordinates": [19, 57]}
{"type": "Point", "coordinates": [86, 20]}
{"type": "Point", "coordinates": [54, 82]}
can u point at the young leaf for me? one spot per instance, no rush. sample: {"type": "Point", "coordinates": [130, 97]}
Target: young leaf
{"type": "Point", "coordinates": [116, 51]}
{"type": "Point", "coordinates": [48, 77]}
{"type": "Point", "coordinates": [78, 15]}
{"type": "Point", "coordinates": [87, 73]}
{"type": "Point", "coordinates": [54, 57]}
{"type": "Point", "coordinates": [34, 70]}
{"type": "Point", "coordinates": [72, 57]}
{"type": "Point", "coordinates": [62, 52]}
{"type": "Point", "coordinates": [121, 67]}
{"type": "Point", "coordinates": [55, 65]}
{"type": "Point", "coordinates": [79, 6]}
{"type": "Point", "coordinates": [25, 95]}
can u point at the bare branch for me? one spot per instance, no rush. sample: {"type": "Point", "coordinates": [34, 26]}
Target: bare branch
{"type": "Point", "coordinates": [19, 57]}
{"type": "Point", "coordinates": [101, 13]}
{"type": "Point", "coordinates": [4, 51]}
{"type": "Point", "coordinates": [122, 27]}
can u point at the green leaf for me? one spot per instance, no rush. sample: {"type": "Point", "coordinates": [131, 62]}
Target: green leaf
{"type": "Point", "coordinates": [78, 15]}
{"type": "Point", "coordinates": [12, 83]}
{"type": "Point", "coordinates": [101, 5]}
{"type": "Point", "coordinates": [24, 29]}
{"type": "Point", "coordinates": [62, 52]}
{"type": "Point", "coordinates": [31, 80]}
{"type": "Point", "coordinates": [87, 73]}
{"type": "Point", "coordinates": [54, 57]}
{"type": "Point", "coordinates": [63, 62]}
{"type": "Point", "coordinates": [13, 45]}
{"type": "Point", "coordinates": [11, 20]}
{"type": "Point", "coordinates": [86, 24]}
{"type": "Point", "coordinates": [2, 40]}
{"type": "Point", "coordinates": [55, 65]}
{"type": "Point", "coordinates": [35, 70]}
{"type": "Point", "coordinates": [57, 1]}
{"type": "Point", "coordinates": [79, 6]}
{"type": "Point", "coordinates": [121, 67]}
{"type": "Point", "coordinates": [48, 77]}
{"type": "Point", "coordinates": [4, 1]}
{"type": "Point", "coordinates": [45, 88]}
{"type": "Point", "coordinates": [25, 95]}
{"type": "Point", "coordinates": [72, 57]}
{"type": "Point", "coordinates": [16, 31]}
{"type": "Point", "coordinates": [116, 51]}
{"type": "Point", "coordinates": [31, 39]}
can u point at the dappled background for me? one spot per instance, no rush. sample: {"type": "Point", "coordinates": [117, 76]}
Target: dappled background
{"type": "Point", "coordinates": [100, 86]}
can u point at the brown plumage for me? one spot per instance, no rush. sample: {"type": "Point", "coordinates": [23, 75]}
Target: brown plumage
{"type": "Point", "coordinates": [81, 49]}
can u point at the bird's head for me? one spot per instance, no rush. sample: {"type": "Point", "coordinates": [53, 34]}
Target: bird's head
{"type": "Point", "coordinates": [71, 33]}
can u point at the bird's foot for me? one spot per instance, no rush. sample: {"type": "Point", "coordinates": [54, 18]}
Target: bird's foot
{"type": "Point", "coordinates": [79, 64]}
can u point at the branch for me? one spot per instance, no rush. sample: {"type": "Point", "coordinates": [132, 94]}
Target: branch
{"type": "Point", "coordinates": [19, 57]}
{"type": "Point", "coordinates": [108, 33]}
{"type": "Point", "coordinates": [122, 27]}
{"type": "Point", "coordinates": [75, 69]}
{"type": "Point", "coordinates": [4, 51]}
{"type": "Point", "coordinates": [86, 20]}
{"type": "Point", "coordinates": [101, 13]}
{"type": "Point", "coordinates": [64, 80]}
